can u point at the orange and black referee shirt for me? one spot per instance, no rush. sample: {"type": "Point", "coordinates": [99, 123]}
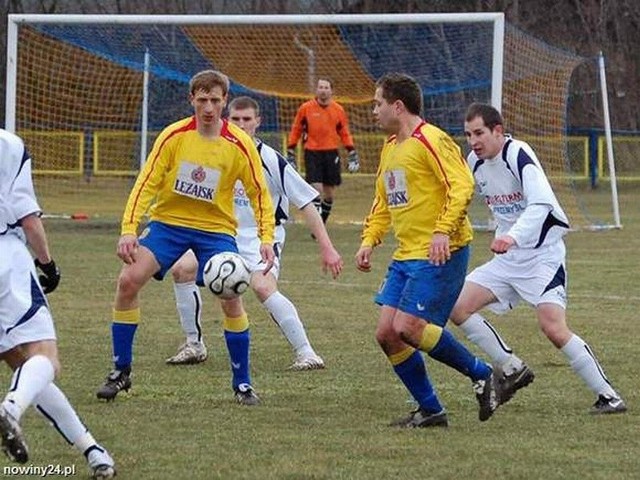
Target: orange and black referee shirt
{"type": "Point", "coordinates": [321, 127]}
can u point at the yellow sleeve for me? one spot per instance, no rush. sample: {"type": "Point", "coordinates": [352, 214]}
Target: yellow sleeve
{"type": "Point", "coordinates": [453, 172]}
{"type": "Point", "coordinates": [252, 177]}
{"type": "Point", "coordinates": [147, 184]}
{"type": "Point", "coordinates": [378, 222]}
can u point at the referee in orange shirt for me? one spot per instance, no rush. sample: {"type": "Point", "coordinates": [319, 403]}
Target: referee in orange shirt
{"type": "Point", "coordinates": [322, 124]}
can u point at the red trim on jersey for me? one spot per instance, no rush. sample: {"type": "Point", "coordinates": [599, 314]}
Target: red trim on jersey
{"type": "Point", "coordinates": [189, 126]}
{"type": "Point", "coordinates": [229, 136]}
{"type": "Point", "coordinates": [418, 135]}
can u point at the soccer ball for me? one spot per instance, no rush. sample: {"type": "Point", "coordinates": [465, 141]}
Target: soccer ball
{"type": "Point", "coordinates": [226, 275]}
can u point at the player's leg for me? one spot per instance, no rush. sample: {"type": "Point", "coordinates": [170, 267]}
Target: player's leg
{"type": "Point", "coordinates": [427, 299]}
{"type": "Point", "coordinates": [406, 361]}
{"type": "Point", "coordinates": [583, 361]}
{"type": "Point", "coordinates": [235, 323]}
{"type": "Point", "coordinates": [24, 320]}
{"type": "Point", "coordinates": [474, 297]}
{"type": "Point", "coordinates": [238, 340]}
{"type": "Point", "coordinates": [189, 305]}
{"type": "Point", "coordinates": [285, 314]}
{"type": "Point", "coordinates": [331, 179]}
{"type": "Point", "coordinates": [125, 320]}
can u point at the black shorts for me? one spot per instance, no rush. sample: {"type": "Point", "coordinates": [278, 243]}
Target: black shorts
{"type": "Point", "coordinates": [322, 166]}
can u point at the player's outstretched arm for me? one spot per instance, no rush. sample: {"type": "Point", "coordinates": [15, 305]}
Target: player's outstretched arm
{"type": "Point", "coordinates": [331, 259]}
{"type": "Point", "coordinates": [37, 239]}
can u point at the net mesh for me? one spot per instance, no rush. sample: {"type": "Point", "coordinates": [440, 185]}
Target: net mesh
{"type": "Point", "coordinates": [80, 92]}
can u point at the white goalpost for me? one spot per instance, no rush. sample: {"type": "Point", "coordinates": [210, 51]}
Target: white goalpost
{"type": "Point", "coordinates": [88, 92]}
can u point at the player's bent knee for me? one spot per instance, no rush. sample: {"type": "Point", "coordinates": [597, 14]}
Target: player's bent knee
{"type": "Point", "coordinates": [232, 308]}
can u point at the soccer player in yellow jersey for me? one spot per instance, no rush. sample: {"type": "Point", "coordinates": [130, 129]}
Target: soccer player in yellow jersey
{"type": "Point", "coordinates": [190, 176]}
{"type": "Point", "coordinates": [423, 188]}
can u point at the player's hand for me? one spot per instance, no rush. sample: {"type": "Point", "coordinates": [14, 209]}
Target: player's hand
{"type": "Point", "coordinates": [268, 256]}
{"type": "Point", "coordinates": [363, 259]}
{"type": "Point", "coordinates": [50, 277]}
{"type": "Point", "coordinates": [502, 244]}
{"type": "Point", "coordinates": [331, 262]}
{"type": "Point", "coordinates": [353, 162]}
{"type": "Point", "coordinates": [439, 252]}
{"type": "Point", "coordinates": [128, 248]}
{"type": "Point", "coordinates": [291, 158]}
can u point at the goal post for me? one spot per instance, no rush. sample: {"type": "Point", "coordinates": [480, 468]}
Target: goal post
{"type": "Point", "coordinates": [80, 89]}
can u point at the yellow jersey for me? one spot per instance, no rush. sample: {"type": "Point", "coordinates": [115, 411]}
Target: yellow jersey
{"type": "Point", "coordinates": [423, 186]}
{"type": "Point", "coordinates": [190, 181]}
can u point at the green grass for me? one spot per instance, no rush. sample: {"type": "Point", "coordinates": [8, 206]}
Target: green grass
{"type": "Point", "coordinates": [182, 422]}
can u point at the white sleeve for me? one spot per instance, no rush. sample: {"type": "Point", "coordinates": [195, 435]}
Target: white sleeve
{"type": "Point", "coordinates": [299, 192]}
{"type": "Point", "coordinates": [526, 231]}
{"type": "Point", "coordinates": [21, 196]}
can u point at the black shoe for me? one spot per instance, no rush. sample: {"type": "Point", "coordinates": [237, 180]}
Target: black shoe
{"type": "Point", "coordinates": [246, 395]}
{"type": "Point", "coordinates": [510, 384]}
{"type": "Point", "coordinates": [420, 418]}
{"type": "Point", "coordinates": [607, 405]}
{"type": "Point", "coordinates": [487, 394]}
{"type": "Point", "coordinates": [116, 381]}
{"type": "Point", "coordinates": [13, 443]}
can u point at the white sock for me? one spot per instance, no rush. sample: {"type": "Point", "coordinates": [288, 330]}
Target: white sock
{"type": "Point", "coordinates": [480, 332]}
{"type": "Point", "coordinates": [26, 384]}
{"type": "Point", "coordinates": [284, 313]}
{"type": "Point", "coordinates": [54, 406]}
{"type": "Point", "coordinates": [585, 364]}
{"type": "Point", "coordinates": [189, 305]}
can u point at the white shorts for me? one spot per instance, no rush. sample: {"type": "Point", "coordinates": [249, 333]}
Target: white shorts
{"type": "Point", "coordinates": [535, 276]}
{"type": "Point", "coordinates": [250, 251]}
{"type": "Point", "coordinates": [24, 311]}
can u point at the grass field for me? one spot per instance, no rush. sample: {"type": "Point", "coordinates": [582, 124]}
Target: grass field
{"type": "Point", "coordinates": [182, 422]}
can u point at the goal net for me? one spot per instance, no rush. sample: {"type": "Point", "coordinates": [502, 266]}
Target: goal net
{"type": "Point", "coordinates": [90, 93]}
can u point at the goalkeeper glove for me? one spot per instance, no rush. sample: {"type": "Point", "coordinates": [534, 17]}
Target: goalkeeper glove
{"type": "Point", "coordinates": [50, 278]}
{"type": "Point", "coordinates": [291, 158]}
{"type": "Point", "coordinates": [353, 162]}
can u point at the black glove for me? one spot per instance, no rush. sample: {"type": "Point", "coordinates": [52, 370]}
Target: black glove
{"type": "Point", "coordinates": [51, 278]}
{"type": "Point", "coordinates": [291, 158]}
{"type": "Point", "coordinates": [353, 162]}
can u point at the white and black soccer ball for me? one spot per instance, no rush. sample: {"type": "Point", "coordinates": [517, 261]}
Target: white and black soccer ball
{"type": "Point", "coordinates": [226, 275]}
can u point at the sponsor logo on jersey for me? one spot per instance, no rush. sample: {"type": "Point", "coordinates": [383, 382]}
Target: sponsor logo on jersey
{"type": "Point", "coordinates": [240, 197]}
{"type": "Point", "coordinates": [395, 182]}
{"type": "Point", "coordinates": [506, 203]}
{"type": "Point", "coordinates": [196, 181]}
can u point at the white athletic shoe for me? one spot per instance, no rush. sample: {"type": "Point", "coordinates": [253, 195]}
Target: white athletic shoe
{"type": "Point", "coordinates": [189, 353]}
{"type": "Point", "coordinates": [307, 362]}
{"type": "Point", "coordinates": [101, 464]}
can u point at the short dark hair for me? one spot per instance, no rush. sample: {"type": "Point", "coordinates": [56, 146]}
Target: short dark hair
{"type": "Point", "coordinates": [206, 80]}
{"type": "Point", "coordinates": [241, 103]}
{"type": "Point", "coordinates": [490, 115]}
{"type": "Point", "coordinates": [399, 86]}
{"type": "Point", "coordinates": [324, 78]}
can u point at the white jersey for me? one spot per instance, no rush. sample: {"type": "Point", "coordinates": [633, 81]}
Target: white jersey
{"type": "Point", "coordinates": [517, 191]}
{"type": "Point", "coordinates": [285, 185]}
{"type": "Point", "coordinates": [17, 197]}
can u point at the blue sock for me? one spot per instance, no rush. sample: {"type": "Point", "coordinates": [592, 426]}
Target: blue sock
{"type": "Point", "coordinates": [122, 338]}
{"type": "Point", "coordinates": [451, 352]}
{"type": "Point", "coordinates": [413, 374]}
{"type": "Point", "coordinates": [238, 346]}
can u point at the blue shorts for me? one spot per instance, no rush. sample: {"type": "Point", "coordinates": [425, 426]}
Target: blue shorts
{"type": "Point", "coordinates": [425, 290]}
{"type": "Point", "coordinates": [168, 243]}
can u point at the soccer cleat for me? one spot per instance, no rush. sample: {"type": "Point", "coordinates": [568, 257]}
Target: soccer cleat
{"type": "Point", "coordinates": [189, 353]}
{"type": "Point", "coordinates": [245, 395]}
{"type": "Point", "coordinates": [13, 443]}
{"type": "Point", "coordinates": [607, 405]}
{"type": "Point", "coordinates": [488, 395]}
{"type": "Point", "coordinates": [510, 384]}
{"type": "Point", "coordinates": [116, 381]}
{"type": "Point", "coordinates": [101, 464]}
{"type": "Point", "coordinates": [420, 418]}
{"type": "Point", "coordinates": [307, 362]}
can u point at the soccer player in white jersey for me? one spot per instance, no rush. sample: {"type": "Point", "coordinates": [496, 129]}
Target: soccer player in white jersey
{"type": "Point", "coordinates": [529, 261]}
{"type": "Point", "coordinates": [27, 334]}
{"type": "Point", "coordinates": [285, 186]}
